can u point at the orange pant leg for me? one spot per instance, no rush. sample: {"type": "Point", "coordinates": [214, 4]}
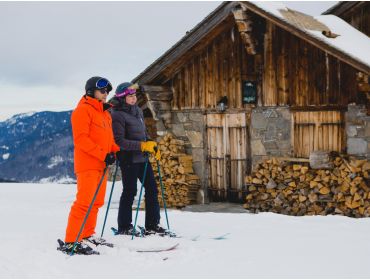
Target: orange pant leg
{"type": "Point", "coordinates": [87, 182]}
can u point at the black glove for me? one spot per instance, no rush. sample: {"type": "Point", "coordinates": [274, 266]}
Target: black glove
{"type": "Point", "coordinates": [110, 159]}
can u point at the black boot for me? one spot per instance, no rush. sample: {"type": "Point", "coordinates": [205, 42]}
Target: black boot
{"type": "Point", "coordinates": [80, 249]}
{"type": "Point", "coordinates": [129, 231]}
{"type": "Point", "coordinates": [157, 229]}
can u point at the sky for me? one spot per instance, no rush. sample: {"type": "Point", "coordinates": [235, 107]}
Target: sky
{"type": "Point", "coordinates": [49, 49]}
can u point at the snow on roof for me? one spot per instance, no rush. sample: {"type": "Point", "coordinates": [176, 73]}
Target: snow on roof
{"type": "Point", "coordinates": [350, 41]}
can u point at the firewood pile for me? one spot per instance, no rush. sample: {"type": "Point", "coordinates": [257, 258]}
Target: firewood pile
{"type": "Point", "coordinates": [296, 189]}
{"type": "Point", "coordinates": [180, 183]}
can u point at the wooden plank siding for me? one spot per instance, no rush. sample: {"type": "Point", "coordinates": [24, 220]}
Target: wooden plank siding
{"type": "Point", "coordinates": [214, 73]}
{"type": "Point", "coordinates": [300, 75]}
{"type": "Point", "coordinates": [322, 130]}
{"type": "Point", "coordinates": [289, 72]}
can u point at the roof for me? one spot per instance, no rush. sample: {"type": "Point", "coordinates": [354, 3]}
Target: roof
{"type": "Point", "coordinates": [345, 46]}
{"type": "Point", "coordinates": [343, 6]}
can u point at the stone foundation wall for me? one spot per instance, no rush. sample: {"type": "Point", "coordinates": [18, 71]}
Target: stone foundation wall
{"type": "Point", "coordinates": [358, 131]}
{"type": "Point", "coordinates": [270, 133]}
{"type": "Point", "coordinates": [190, 127]}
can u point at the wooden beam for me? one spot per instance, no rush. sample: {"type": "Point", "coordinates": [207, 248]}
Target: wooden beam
{"type": "Point", "coordinates": [147, 88]}
{"type": "Point", "coordinates": [244, 24]}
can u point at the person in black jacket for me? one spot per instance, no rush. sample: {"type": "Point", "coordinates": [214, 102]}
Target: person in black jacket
{"type": "Point", "coordinates": [131, 135]}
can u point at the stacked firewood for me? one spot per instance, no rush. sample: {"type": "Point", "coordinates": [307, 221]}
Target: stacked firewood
{"type": "Point", "coordinates": [180, 183]}
{"type": "Point", "coordinates": [296, 189]}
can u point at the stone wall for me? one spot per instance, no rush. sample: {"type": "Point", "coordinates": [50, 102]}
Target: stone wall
{"type": "Point", "coordinates": [190, 127]}
{"type": "Point", "coordinates": [270, 133]}
{"type": "Point", "coordinates": [358, 131]}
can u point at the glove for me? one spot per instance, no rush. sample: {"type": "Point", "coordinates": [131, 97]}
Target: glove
{"type": "Point", "coordinates": [158, 155]}
{"type": "Point", "coordinates": [148, 146]}
{"type": "Point", "coordinates": [110, 159]}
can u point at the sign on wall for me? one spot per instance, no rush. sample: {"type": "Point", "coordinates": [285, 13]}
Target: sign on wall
{"type": "Point", "coordinates": [249, 92]}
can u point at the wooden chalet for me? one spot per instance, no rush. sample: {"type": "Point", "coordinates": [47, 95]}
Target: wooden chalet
{"type": "Point", "coordinates": [255, 80]}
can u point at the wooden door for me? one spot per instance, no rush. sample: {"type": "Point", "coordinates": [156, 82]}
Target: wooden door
{"type": "Point", "coordinates": [322, 130]}
{"type": "Point", "coordinates": [228, 155]}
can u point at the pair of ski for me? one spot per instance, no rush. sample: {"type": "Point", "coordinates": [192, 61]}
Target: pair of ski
{"type": "Point", "coordinates": [115, 232]}
{"type": "Point", "coordinates": [158, 250]}
{"type": "Point", "coordinates": [143, 232]}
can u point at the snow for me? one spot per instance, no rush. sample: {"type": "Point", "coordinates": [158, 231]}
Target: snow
{"type": "Point", "coordinates": [57, 180]}
{"type": "Point", "coordinates": [54, 161]}
{"type": "Point", "coordinates": [351, 41]}
{"type": "Point", "coordinates": [271, 7]}
{"type": "Point", "coordinates": [6, 156]}
{"type": "Point", "coordinates": [265, 245]}
{"type": "Point", "coordinates": [18, 117]}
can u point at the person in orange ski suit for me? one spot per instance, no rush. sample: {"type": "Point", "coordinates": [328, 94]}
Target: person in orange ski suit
{"type": "Point", "coordinates": [94, 149]}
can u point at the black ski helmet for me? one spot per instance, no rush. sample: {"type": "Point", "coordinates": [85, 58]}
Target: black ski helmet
{"type": "Point", "coordinates": [97, 83]}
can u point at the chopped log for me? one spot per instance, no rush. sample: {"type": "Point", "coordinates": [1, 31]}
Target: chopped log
{"type": "Point", "coordinates": [180, 182]}
{"type": "Point", "coordinates": [321, 160]}
{"type": "Point", "coordinates": [297, 189]}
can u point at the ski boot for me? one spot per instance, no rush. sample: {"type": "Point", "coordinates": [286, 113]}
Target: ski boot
{"type": "Point", "coordinates": [157, 230]}
{"type": "Point", "coordinates": [128, 231]}
{"type": "Point", "coordinates": [80, 249]}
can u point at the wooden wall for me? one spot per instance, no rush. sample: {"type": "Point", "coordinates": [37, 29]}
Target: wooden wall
{"type": "Point", "coordinates": [217, 71]}
{"type": "Point", "coordinates": [288, 71]}
{"type": "Point", "coordinates": [300, 75]}
{"type": "Point", "coordinates": [318, 131]}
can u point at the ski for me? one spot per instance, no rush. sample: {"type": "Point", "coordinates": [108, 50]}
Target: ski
{"type": "Point", "coordinates": [166, 233]}
{"type": "Point", "coordinates": [158, 250]}
{"type": "Point", "coordinates": [221, 237]}
{"type": "Point", "coordinates": [116, 232]}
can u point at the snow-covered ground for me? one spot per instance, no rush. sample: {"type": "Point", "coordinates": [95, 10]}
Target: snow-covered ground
{"type": "Point", "coordinates": [33, 216]}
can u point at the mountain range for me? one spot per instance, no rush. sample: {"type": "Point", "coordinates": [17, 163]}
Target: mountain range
{"type": "Point", "coordinates": [37, 147]}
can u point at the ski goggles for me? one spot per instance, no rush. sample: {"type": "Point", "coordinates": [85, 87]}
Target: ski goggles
{"type": "Point", "coordinates": [125, 92]}
{"type": "Point", "coordinates": [103, 83]}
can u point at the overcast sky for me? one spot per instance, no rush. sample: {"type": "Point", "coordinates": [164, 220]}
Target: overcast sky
{"type": "Point", "coordinates": [49, 49]}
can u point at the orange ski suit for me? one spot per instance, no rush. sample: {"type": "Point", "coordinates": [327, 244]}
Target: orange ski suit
{"type": "Point", "coordinates": [93, 139]}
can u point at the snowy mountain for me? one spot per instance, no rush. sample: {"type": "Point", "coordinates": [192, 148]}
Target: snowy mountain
{"type": "Point", "coordinates": [37, 147]}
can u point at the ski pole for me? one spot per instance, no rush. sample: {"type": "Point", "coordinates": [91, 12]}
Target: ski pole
{"type": "Point", "coordinates": [141, 192]}
{"type": "Point", "coordinates": [110, 197]}
{"type": "Point", "coordinates": [89, 209]}
{"type": "Point", "coordinates": [162, 190]}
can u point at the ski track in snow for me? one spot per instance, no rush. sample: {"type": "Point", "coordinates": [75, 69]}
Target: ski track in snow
{"type": "Point", "coordinates": [34, 216]}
